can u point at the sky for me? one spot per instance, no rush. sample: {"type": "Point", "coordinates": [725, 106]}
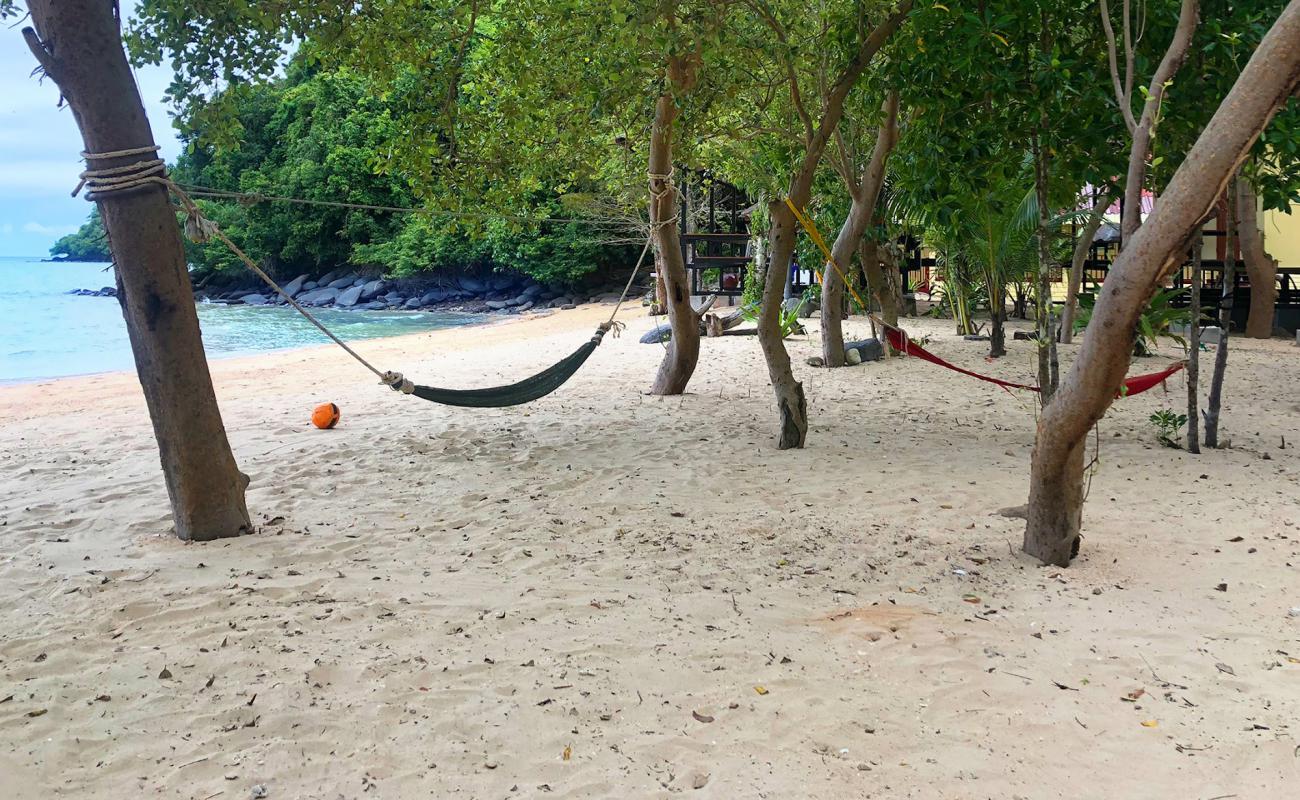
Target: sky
{"type": "Point", "coordinates": [40, 149]}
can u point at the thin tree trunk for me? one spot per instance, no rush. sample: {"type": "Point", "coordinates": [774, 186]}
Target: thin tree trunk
{"type": "Point", "coordinates": [792, 406]}
{"type": "Point", "coordinates": [683, 351]}
{"type": "Point", "coordinates": [78, 42]}
{"type": "Point", "coordinates": [864, 192]}
{"type": "Point", "coordinates": [880, 286]}
{"type": "Point", "coordinates": [1141, 129]}
{"type": "Point", "coordinates": [1194, 352]}
{"type": "Point", "coordinates": [997, 320]}
{"type": "Point", "coordinates": [1043, 309]}
{"type": "Point", "coordinates": [1056, 480]}
{"type": "Point", "coordinates": [1081, 250]}
{"type": "Point", "coordinates": [1260, 266]}
{"type": "Point", "coordinates": [1227, 299]}
{"type": "Point", "coordinates": [832, 312]}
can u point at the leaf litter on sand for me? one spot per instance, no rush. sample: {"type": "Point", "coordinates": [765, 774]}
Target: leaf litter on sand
{"type": "Point", "coordinates": [701, 717]}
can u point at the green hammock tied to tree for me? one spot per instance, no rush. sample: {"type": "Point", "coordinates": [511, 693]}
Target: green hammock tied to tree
{"type": "Point", "coordinates": [525, 391]}
{"type": "Point", "coordinates": [153, 170]}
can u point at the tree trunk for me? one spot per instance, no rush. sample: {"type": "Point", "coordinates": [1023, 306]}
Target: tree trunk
{"type": "Point", "coordinates": [78, 42]}
{"type": "Point", "coordinates": [1260, 266]}
{"type": "Point", "coordinates": [1194, 352]}
{"type": "Point", "coordinates": [683, 351]}
{"type": "Point", "coordinates": [1055, 493]}
{"type": "Point", "coordinates": [1081, 249]}
{"type": "Point", "coordinates": [997, 318]}
{"type": "Point", "coordinates": [879, 287]}
{"type": "Point", "coordinates": [846, 241]}
{"type": "Point", "coordinates": [864, 192]}
{"type": "Point", "coordinates": [1043, 309]}
{"type": "Point", "coordinates": [1142, 129]}
{"type": "Point", "coordinates": [792, 406]}
{"type": "Point", "coordinates": [1227, 299]}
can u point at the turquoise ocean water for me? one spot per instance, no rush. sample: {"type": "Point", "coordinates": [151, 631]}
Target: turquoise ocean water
{"type": "Point", "coordinates": [47, 333]}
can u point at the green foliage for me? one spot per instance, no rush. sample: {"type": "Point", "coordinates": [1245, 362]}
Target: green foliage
{"type": "Point", "coordinates": [320, 135]}
{"type": "Point", "coordinates": [1168, 426]}
{"type": "Point", "coordinates": [788, 320]}
{"type": "Point", "coordinates": [89, 243]}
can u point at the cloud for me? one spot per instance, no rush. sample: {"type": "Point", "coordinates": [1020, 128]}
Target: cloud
{"type": "Point", "coordinates": [29, 177]}
{"type": "Point", "coordinates": [48, 230]}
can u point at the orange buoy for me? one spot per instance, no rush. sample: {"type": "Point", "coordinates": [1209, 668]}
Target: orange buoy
{"type": "Point", "coordinates": [325, 416]}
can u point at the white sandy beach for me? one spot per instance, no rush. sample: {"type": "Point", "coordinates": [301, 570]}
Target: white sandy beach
{"type": "Point", "coordinates": [605, 594]}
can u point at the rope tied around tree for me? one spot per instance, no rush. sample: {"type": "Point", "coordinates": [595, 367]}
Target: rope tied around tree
{"type": "Point", "coordinates": [201, 229]}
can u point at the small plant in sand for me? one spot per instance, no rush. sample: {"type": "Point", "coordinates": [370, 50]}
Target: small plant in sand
{"type": "Point", "coordinates": [1168, 424]}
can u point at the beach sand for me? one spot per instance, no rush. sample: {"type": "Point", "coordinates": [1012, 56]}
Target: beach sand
{"type": "Point", "coordinates": [606, 594]}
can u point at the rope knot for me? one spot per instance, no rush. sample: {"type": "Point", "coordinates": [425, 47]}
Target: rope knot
{"type": "Point", "coordinates": [397, 382]}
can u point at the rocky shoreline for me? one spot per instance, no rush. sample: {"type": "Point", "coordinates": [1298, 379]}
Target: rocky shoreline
{"type": "Point", "coordinates": [352, 291]}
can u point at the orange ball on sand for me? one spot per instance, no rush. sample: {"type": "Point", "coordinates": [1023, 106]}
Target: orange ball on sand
{"type": "Point", "coordinates": [325, 416]}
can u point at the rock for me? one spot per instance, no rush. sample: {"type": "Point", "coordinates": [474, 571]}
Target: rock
{"type": "Point", "coordinates": [500, 283]}
{"type": "Point", "coordinates": [1025, 336]}
{"type": "Point", "coordinates": [473, 285]}
{"type": "Point", "coordinates": [349, 297]}
{"type": "Point", "coordinates": [1015, 512]}
{"type": "Point", "coordinates": [371, 290]}
{"type": "Point", "coordinates": [294, 286]}
{"type": "Point", "coordinates": [396, 302]}
{"type": "Point", "coordinates": [525, 306]}
{"type": "Point", "coordinates": [657, 335]}
{"type": "Point", "coordinates": [568, 307]}
{"type": "Point", "coordinates": [319, 297]}
{"type": "Point", "coordinates": [496, 305]}
{"type": "Point", "coordinates": [361, 282]}
{"type": "Point", "coordinates": [433, 296]}
{"type": "Point", "coordinates": [325, 279]}
{"type": "Point", "coordinates": [852, 357]}
{"type": "Point", "coordinates": [815, 361]}
{"type": "Point", "coordinates": [975, 337]}
{"type": "Point", "coordinates": [342, 283]}
{"type": "Point", "coordinates": [411, 304]}
{"type": "Point", "coordinates": [867, 350]}
{"type": "Point", "coordinates": [255, 299]}
{"type": "Point", "coordinates": [374, 305]}
{"type": "Point", "coordinates": [518, 301]}
{"type": "Point", "coordinates": [393, 297]}
{"type": "Point", "coordinates": [309, 285]}
{"type": "Point", "coordinates": [533, 290]}
{"type": "Point", "coordinates": [807, 308]}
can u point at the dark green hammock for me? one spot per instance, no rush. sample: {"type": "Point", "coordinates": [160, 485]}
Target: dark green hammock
{"type": "Point", "coordinates": [525, 391]}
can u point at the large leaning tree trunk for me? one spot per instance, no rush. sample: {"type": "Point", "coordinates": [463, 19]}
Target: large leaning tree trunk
{"type": "Point", "coordinates": [683, 351]}
{"type": "Point", "coordinates": [1081, 249]}
{"type": "Point", "coordinates": [863, 192]}
{"type": "Point", "coordinates": [1141, 129]}
{"type": "Point", "coordinates": [792, 406]}
{"type": "Point", "coordinates": [1056, 478]}
{"type": "Point", "coordinates": [1260, 266]}
{"type": "Point", "coordinates": [78, 44]}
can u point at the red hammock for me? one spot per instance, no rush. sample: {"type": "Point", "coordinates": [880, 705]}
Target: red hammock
{"type": "Point", "coordinates": [1135, 385]}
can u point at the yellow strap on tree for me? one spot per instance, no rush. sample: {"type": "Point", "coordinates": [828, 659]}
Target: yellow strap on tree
{"type": "Point", "coordinates": [816, 236]}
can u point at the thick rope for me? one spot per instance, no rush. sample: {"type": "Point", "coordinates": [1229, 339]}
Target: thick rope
{"type": "Point", "coordinates": [200, 229]}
